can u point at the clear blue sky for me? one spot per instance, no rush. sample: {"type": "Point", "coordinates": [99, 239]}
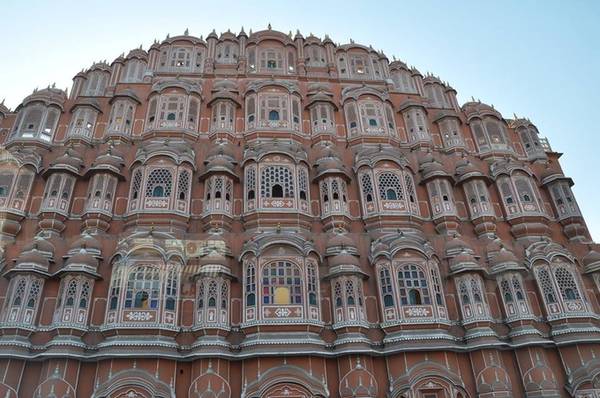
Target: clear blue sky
{"type": "Point", "coordinates": [539, 59]}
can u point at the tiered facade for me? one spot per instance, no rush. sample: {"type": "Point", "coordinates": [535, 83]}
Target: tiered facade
{"type": "Point", "coordinates": [271, 215]}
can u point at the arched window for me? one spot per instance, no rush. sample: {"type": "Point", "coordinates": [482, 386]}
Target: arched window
{"type": "Point", "coordinates": [322, 119]}
{"type": "Point", "coordinates": [513, 296]}
{"type": "Point", "coordinates": [223, 114]}
{"type": "Point", "coordinates": [227, 53]}
{"type": "Point", "coordinates": [212, 302]}
{"type": "Point", "coordinates": [15, 185]}
{"type": "Point", "coordinates": [277, 182]}
{"type": "Point", "coordinates": [390, 186]}
{"type": "Point", "coordinates": [478, 198]}
{"type": "Point", "coordinates": [121, 117]}
{"type": "Point", "coordinates": [489, 135]}
{"type": "Point", "coordinates": [36, 121]}
{"type": "Point", "coordinates": [250, 111]}
{"type": "Point", "coordinates": [436, 95]}
{"type": "Point", "coordinates": [273, 115]}
{"type": "Point", "coordinates": [412, 285]}
{"type": "Point", "coordinates": [250, 285]}
{"type": "Point", "coordinates": [169, 111]}
{"type": "Point", "coordinates": [282, 283]}
{"type": "Point", "coordinates": [416, 125]}
{"type": "Point", "coordinates": [403, 81]}
{"type": "Point", "coordinates": [57, 195]}
{"type": "Point", "coordinates": [96, 83]}
{"type": "Point", "coordinates": [271, 60]}
{"type": "Point", "coordinates": [526, 199]}
{"type": "Point", "coordinates": [440, 197]}
{"type": "Point", "coordinates": [218, 194]}
{"type": "Point", "coordinates": [159, 183]}
{"type": "Point", "coordinates": [23, 298]}
{"type": "Point", "coordinates": [334, 197]}
{"type": "Point", "coordinates": [560, 288]}
{"type": "Point", "coordinates": [143, 288]}
{"type": "Point", "coordinates": [386, 287]}
{"type": "Point", "coordinates": [451, 133]}
{"type": "Point", "coordinates": [315, 55]}
{"type": "Point", "coordinates": [134, 71]}
{"type": "Point", "coordinates": [564, 200]}
{"type": "Point", "coordinates": [471, 296]}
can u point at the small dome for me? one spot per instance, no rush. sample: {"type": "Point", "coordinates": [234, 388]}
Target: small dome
{"type": "Point", "coordinates": [71, 160]}
{"type": "Point", "coordinates": [49, 96]}
{"type": "Point", "coordinates": [87, 242]}
{"type": "Point", "coordinates": [504, 256]}
{"type": "Point", "coordinates": [221, 148]}
{"type": "Point", "coordinates": [343, 259]}
{"type": "Point", "coordinates": [463, 262]}
{"type": "Point", "coordinates": [397, 64]}
{"type": "Point", "coordinates": [465, 170]}
{"type": "Point", "coordinates": [591, 261]}
{"type": "Point", "coordinates": [32, 259]}
{"type": "Point", "coordinates": [479, 109]}
{"type": "Point", "coordinates": [110, 160]}
{"type": "Point", "coordinates": [42, 245]}
{"type": "Point", "coordinates": [214, 257]}
{"type": "Point", "coordinates": [103, 66]}
{"type": "Point", "coordinates": [82, 259]}
{"type": "Point", "coordinates": [455, 245]}
{"type": "Point", "coordinates": [138, 53]}
{"type": "Point", "coordinates": [340, 242]}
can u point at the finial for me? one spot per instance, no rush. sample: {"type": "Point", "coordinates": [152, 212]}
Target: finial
{"type": "Point", "coordinates": [168, 37]}
{"type": "Point", "coordinates": [269, 26]}
{"type": "Point", "coordinates": [186, 32]}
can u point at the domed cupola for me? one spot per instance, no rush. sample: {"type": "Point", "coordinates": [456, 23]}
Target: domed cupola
{"type": "Point", "coordinates": [71, 161]}
{"type": "Point", "coordinates": [110, 160]}
{"type": "Point", "coordinates": [138, 53]}
{"type": "Point", "coordinates": [591, 261]}
{"type": "Point", "coordinates": [466, 170]}
{"type": "Point", "coordinates": [461, 256]}
{"type": "Point", "coordinates": [479, 109]}
{"type": "Point", "coordinates": [501, 258]}
{"type": "Point", "coordinates": [36, 256]}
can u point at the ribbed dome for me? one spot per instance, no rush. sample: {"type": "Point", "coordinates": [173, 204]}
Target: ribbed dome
{"type": "Point", "coordinates": [343, 259]}
{"type": "Point", "coordinates": [591, 259]}
{"type": "Point", "coordinates": [340, 241]}
{"type": "Point", "coordinates": [455, 245]}
{"type": "Point", "coordinates": [138, 53]}
{"type": "Point", "coordinates": [82, 259]}
{"type": "Point", "coordinates": [87, 242]}
{"type": "Point", "coordinates": [42, 245]}
{"type": "Point", "coordinates": [71, 160]}
{"type": "Point", "coordinates": [111, 160]}
{"type": "Point", "coordinates": [32, 259]}
{"type": "Point", "coordinates": [504, 256]}
{"type": "Point", "coordinates": [465, 169]}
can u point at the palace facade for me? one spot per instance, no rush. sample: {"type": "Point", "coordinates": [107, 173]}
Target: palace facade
{"type": "Point", "coordinates": [269, 215]}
